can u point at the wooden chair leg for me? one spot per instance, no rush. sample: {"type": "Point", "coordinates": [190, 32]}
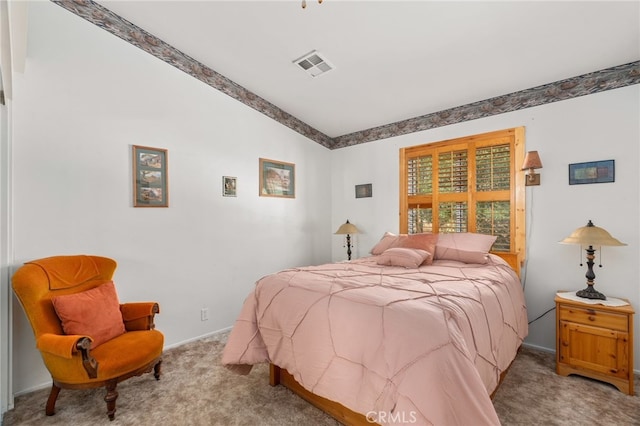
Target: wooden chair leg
{"type": "Point", "coordinates": [51, 402]}
{"type": "Point", "coordinates": [156, 370]}
{"type": "Point", "coordinates": [110, 399]}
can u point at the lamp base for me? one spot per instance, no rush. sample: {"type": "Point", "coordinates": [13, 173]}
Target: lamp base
{"type": "Point", "coordinates": [532, 179]}
{"type": "Point", "coordinates": [591, 293]}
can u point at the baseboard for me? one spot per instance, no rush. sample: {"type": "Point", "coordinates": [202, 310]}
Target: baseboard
{"type": "Point", "coordinates": [539, 348]}
{"type": "Point", "coordinates": [202, 336]}
{"type": "Point", "coordinates": [46, 385]}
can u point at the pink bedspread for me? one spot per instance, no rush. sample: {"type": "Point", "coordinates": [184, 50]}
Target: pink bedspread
{"type": "Point", "coordinates": [401, 346]}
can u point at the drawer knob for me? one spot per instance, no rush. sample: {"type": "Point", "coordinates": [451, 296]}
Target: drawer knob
{"type": "Point", "coordinates": [591, 318]}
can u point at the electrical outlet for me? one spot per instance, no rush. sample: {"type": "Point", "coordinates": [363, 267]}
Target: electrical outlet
{"type": "Point", "coordinates": [204, 314]}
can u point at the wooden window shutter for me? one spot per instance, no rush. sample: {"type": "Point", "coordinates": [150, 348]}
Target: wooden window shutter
{"type": "Point", "coordinates": [469, 184]}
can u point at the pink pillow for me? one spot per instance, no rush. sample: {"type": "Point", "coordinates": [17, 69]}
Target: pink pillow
{"type": "Point", "coordinates": [466, 247]}
{"type": "Point", "coordinates": [401, 256]}
{"type": "Point", "coordinates": [387, 241]}
{"type": "Point", "coordinates": [94, 313]}
{"type": "Point", "coordinates": [426, 242]}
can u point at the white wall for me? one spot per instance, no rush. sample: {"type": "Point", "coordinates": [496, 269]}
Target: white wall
{"type": "Point", "coordinates": [84, 99]}
{"type": "Point", "coordinates": [602, 126]}
{"type": "Point", "coordinates": [87, 96]}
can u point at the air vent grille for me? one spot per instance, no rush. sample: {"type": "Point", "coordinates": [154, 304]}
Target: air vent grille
{"type": "Point", "coordinates": [314, 64]}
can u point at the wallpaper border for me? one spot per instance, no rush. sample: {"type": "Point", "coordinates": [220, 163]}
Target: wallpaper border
{"type": "Point", "coordinates": [598, 81]}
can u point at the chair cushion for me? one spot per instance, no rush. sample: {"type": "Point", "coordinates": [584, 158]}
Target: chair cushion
{"type": "Point", "coordinates": [94, 313]}
{"type": "Point", "coordinates": [117, 357]}
{"type": "Point", "coordinates": [128, 352]}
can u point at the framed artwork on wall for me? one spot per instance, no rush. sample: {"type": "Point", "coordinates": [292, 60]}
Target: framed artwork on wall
{"type": "Point", "coordinates": [277, 179]}
{"type": "Point", "coordinates": [150, 180]}
{"type": "Point", "coordinates": [592, 172]}
{"type": "Point", "coordinates": [364, 191]}
{"type": "Point", "coordinates": [229, 185]}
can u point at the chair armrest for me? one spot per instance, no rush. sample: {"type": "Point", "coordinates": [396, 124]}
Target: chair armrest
{"type": "Point", "coordinates": [139, 315]}
{"type": "Point", "coordinates": [66, 346]}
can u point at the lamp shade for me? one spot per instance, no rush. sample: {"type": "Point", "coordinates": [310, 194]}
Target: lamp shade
{"type": "Point", "coordinates": [532, 161]}
{"type": "Point", "coordinates": [591, 235]}
{"type": "Point", "coordinates": [347, 228]}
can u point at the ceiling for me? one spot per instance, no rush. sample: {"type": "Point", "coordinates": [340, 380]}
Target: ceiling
{"type": "Point", "coordinates": [394, 60]}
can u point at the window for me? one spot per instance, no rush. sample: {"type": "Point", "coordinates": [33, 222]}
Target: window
{"type": "Point", "coordinates": [469, 184]}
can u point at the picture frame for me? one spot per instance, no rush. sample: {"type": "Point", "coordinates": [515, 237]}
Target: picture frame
{"type": "Point", "coordinates": [364, 191]}
{"type": "Point", "coordinates": [277, 179]}
{"type": "Point", "coordinates": [592, 172]}
{"type": "Point", "coordinates": [150, 177]}
{"type": "Point", "coordinates": [229, 186]}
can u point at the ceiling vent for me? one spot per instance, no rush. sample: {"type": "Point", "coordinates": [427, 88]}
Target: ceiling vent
{"type": "Point", "coordinates": [314, 64]}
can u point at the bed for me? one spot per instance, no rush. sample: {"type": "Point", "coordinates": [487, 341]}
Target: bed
{"type": "Point", "coordinates": [386, 342]}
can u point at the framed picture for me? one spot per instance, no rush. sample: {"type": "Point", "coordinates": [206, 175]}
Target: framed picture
{"type": "Point", "coordinates": [592, 172]}
{"type": "Point", "coordinates": [150, 180]}
{"type": "Point", "coordinates": [277, 179]}
{"type": "Point", "coordinates": [364, 191]}
{"type": "Point", "coordinates": [228, 186]}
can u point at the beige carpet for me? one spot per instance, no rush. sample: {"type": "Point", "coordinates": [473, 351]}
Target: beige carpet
{"type": "Point", "coordinates": [196, 390]}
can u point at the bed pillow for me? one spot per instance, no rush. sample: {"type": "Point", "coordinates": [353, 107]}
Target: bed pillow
{"type": "Point", "coordinates": [467, 247]}
{"type": "Point", "coordinates": [402, 256]}
{"type": "Point", "coordinates": [387, 241]}
{"type": "Point", "coordinates": [425, 241]}
{"type": "Point", "coordinates": [94, 313]}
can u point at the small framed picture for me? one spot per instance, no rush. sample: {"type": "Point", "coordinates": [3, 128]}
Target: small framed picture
{"type": "Point", "coordinates": [150, 180]}
{"type": "Point", "coordinates": [364, 190]}
{"type": "Point", "coordinates": [228, 186]}
{"type": "Point", "coordinates": [277, 179]}
{"type": "Point", "coordinates": [592, 172]}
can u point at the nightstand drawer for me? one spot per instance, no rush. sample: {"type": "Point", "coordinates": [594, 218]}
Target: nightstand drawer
{"type": "Point", "coordinates": [594, 317]}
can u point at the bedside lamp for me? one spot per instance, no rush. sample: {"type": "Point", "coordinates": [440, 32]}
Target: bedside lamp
{"type": "Point", "coordinates": [348, 229]}
{"type": "Point", "coordinates": [591, 235]}
{"type": "Point", "coordinates": [532, 162]}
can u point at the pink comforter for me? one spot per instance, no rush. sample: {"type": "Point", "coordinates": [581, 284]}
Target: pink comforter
{"type": "Point", "coordinates": [401, 346]}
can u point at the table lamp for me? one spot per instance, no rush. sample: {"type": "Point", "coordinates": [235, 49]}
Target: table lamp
{"type": "Point", "coordinates": [591, 236]}
{"type": "Point", "coordinates": [348, 229]}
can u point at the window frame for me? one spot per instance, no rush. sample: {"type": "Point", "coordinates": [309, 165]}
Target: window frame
{"type": "Point", "coordinates": [515, 137]}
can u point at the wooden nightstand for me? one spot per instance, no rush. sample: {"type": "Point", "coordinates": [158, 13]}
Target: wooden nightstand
{"type": "Point", "coordinates": [595, 341]}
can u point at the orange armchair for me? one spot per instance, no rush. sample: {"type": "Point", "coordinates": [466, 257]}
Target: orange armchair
{"type": "Point", "coordinates": [80, 361]}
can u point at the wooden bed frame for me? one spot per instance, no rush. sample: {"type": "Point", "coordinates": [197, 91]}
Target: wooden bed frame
{"type": "Point", "coordinates": [280, 376]}
{"type": "Point", "coordinates": [514, 260]}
